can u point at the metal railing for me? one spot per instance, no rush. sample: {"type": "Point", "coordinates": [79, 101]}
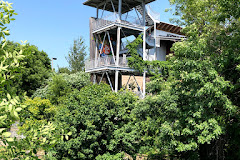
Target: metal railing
{"type": "Point", "coordinates": [151, 41]}
{"type": "Point", "coordinates": [114, 19]}
{"type": "Point", "coordinates": [106, 61]}
{"type": "Point", "coordinates": [153, 14]}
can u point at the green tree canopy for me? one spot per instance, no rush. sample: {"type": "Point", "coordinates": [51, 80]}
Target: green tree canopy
{"type": "Point", "coordinates": [59, 85]}
{"type": "Point", "coordinates": [76, 56]}
{"type": "Point", "coordinates": [35, 67]}
{"type": "Point", "coordinates": [96, 117]}
{"type": "Point", "coordinates": [195, 113]}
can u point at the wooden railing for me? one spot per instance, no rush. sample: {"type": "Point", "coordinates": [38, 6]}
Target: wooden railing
{"type": "Point", "coordinates": [114, 19]}
{"type": "Point", "coordinates": [106, 61]}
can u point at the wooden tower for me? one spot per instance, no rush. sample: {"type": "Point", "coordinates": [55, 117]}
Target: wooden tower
{"type": "Point", "coordinates": [108, 60]}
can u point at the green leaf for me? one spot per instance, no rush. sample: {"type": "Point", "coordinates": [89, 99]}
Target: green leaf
{"type": "Point", "coordinates": [10, 139]}
{"type": "Point", "coordinates": [2, 129]}
{"type": "Point", "coordinates": [8, 96]}
{"type": "Point", "coordinates": [18, 109]}
{"type": "Point", "coordinates": [6, 134]}
{"type": "Point", "coordinates": [66, 136]}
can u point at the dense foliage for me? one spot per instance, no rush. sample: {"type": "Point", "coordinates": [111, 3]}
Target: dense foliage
{"type": "Point", "coordinates": [35, 67]}
{"type": "Point", "coordinates": [10, 104]}
{"type": "Point", "coordinates": [194, 113]}
{"type": "Point", "coordinates": [64, 70]}
{"type": "Point", "coordinates": [12, 63]}
{"type": "Point", "coordinates": [191, 112]}
{"type": "Point", "coordinates": [96, 117]}
{"type": "Point", "coordinates": [37, 112]}
{"type": "Point", "coordinates": [59, 85]}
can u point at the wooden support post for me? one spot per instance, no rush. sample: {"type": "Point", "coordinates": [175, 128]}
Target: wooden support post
{"type": "Point", "coordinates": [144, 32]}
{"type": "Point", "coordinates": [94, 78]}
{"type": "Point", "coordinates": [118, 45]}
{"type": "Point", "coordinates": [116, 80]}
{"type": "Point", "coordinates": [96, 52]}
{"type": "Point", "coordinates": [144, 84]}
{"type": "Point", "coordinates": [117, 56]}
{"type": "Point", "coordinates": [155, 40]}
{"type": "Point", "coordinates": [144, 47]}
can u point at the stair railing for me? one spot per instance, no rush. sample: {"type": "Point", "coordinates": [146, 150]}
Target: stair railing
{"type": "Point", "coordinates": [154, 15]}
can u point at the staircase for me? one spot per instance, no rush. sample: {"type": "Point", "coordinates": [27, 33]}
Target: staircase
{"type": "Point", "coordinates": [150, 17]}
{"type": "Point", "coordinates": [149, 21]}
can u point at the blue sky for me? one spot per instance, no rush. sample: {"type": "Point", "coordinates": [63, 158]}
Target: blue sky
{"type": "Point", "coordinates": [52, 25]}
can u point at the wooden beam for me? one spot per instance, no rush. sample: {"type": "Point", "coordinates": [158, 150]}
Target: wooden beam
{"type": "Point", "coordinates": [116, 80]}
{"type": "Point", "coordinates": [171, 28]}
{"type": "Point", "coordinates": [176, 28]}
{"type": "Point", "coordinates": [118, 45]}
{"type": "Point", "coordinates": [166, 28]}
{"type": "Point", "coordinates": [161, 26]}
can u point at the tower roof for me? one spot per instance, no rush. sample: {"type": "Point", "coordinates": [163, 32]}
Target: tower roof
{"type": "Point", "coordinates": [127, 5]}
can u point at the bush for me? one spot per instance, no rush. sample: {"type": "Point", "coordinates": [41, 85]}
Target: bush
{"type": "Point", "coordinates": [59, 85]}
{"type": "Point", "coordinates": [35, 68]}
{"type": "Point", "coordinates": [96, 117]}
{"type": "Point", "coordinates": [37, 112]}
{"type": "Point", "coordinates": [108, 156]}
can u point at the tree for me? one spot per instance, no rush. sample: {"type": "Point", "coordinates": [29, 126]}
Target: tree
{"type": "Point", "coordinates": [96, 117]}
{"type": "Point", "coordinates": [195, 114]}
{"type": "Point", "coordinates": [217, 23]}
{"type": "Point", "coordinates": [10, 103]}
{"type": "Point", "coordinates": [63, 70]}
{"type": "Point", "coordinates": [76, 55]}
{"type": "Point", "coordinates": [35, 68]}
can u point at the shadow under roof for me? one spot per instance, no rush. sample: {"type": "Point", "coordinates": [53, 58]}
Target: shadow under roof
{"type": "Point", "coordinates": [168, 28]}
{"type": "Point", "coordinates": [127, 5]}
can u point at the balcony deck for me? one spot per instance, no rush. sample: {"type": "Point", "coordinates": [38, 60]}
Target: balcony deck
{"type": "Point", "coordinates": [106, 63]}
{"type": "Point", "coordinates": [112, 21]}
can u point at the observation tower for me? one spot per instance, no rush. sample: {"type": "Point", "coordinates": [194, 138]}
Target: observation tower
{"type": "Point", "coordinates": [108, 52]}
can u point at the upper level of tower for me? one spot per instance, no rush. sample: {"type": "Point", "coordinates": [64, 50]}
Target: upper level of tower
{"type": "Point", "coordinates": [121, 13]}
{"type": "Point", "coordinates": [113, 5]}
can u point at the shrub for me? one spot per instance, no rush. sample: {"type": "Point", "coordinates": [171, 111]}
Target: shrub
{"type": "Point", "coordinates": [59, 85]}
{"type": "Point", "coordinates": [37, 112]}
{"type": "Point", "coordinates": [96, 117]}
